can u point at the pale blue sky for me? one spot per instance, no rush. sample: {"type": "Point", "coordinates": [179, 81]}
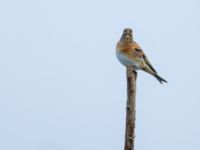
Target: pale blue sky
{"type": "Point", "coordinates": [62, 87]}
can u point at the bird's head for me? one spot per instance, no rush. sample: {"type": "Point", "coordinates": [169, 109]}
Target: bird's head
{"type": "Point", "coordinates": [127, 35]}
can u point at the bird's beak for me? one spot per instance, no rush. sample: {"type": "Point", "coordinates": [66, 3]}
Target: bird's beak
{"type": "Point", "coordinates": [127, 37]}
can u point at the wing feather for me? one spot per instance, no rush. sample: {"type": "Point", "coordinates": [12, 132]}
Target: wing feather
{"type": "Point", "coordinates": [149, 64]}
{"type": "Point", "coordinates": [139, 52]}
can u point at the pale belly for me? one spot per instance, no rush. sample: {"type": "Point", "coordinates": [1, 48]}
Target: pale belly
{"type": "Point", "coordinates": [124, 60]}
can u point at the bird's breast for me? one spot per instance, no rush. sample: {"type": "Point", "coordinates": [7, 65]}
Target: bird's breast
{"type": "Point", "coordinates": [126, 61]}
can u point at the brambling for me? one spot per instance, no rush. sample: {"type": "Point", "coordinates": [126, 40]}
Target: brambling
{"type": "Point", "coordinates": [130, 54]}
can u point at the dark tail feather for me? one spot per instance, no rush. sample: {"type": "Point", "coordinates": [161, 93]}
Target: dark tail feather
{"type": "Point", "coordinates": [159, 78]}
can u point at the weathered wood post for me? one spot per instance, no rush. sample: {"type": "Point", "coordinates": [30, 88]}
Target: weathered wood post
{"type": "Point", "coordinates": [130, 109]}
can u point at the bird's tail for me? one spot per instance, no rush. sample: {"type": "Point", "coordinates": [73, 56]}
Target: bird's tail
{"type": "Point", "coordinates": [161, 80]}
{"type": "Point", "coordinates": [150, 71]}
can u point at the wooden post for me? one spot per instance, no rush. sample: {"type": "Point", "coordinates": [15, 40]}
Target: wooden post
{"type": "Point", "coordinates": [130, 109]}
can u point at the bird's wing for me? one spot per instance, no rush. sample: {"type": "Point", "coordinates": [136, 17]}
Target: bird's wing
{"type": "Point", "coordinates": [137, 50]}
{"type": "Point", "coordinates": [148, 63]}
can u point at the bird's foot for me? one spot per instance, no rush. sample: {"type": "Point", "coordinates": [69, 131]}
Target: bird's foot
{"type": "Point", "coordinates": [135, 73]}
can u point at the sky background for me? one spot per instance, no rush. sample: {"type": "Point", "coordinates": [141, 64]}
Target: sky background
{"type": "Point", "coordinates": [62, 88]}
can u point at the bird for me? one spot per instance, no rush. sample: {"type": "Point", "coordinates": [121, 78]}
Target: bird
{"type": "Point", "coordinates": [130, 54]}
